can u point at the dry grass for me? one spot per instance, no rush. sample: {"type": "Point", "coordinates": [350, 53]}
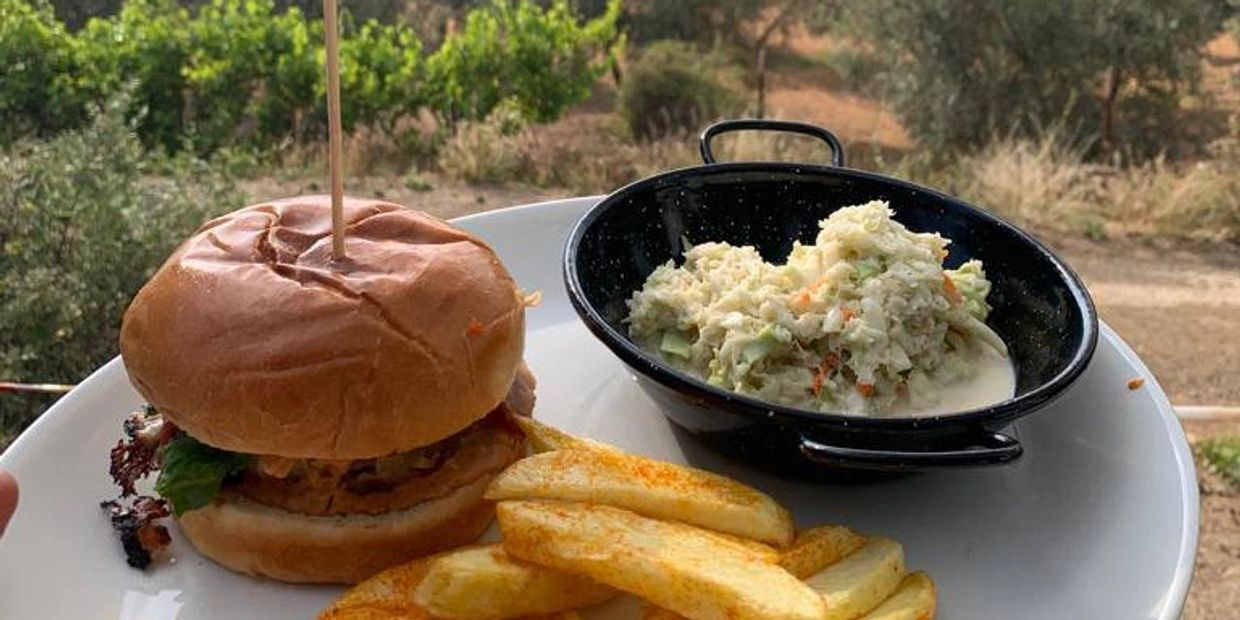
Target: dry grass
{"type": "Point", "coordinates": [586, 153]}
{"type": "Point", "coordinates": [1032, 183]}
{"type": "Point", "coordinates": [592, 153]}
{"type": "Point", "coordinates": [1043, 184]}
{"type": "Point", "coordinates": [1051, 187]}
{"type": "Point", "coordinates": [366, 152]}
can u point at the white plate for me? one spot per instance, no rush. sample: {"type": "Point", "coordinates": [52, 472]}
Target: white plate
{"type": "Point", "coordinates": [1097, 520]}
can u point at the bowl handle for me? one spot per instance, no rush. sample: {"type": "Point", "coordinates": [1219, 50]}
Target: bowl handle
{"type": "Point", "coordinates": [758, 124]}
{"type": "Point", "coordinates": [983, 448]}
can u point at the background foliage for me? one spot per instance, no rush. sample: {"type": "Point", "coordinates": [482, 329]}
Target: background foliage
{"type": "Point", "coordinates": [243, 73]}
{"type": "Point", "coordinates": [38, 90]}
{"type": "Point", "coordinates": [1065, 114]}
{"type": "Point", "coordinates": [85, 219]}
{"type": "Point", "coordinates": [672, 88]}
{"type": "Point", "coordinates": [961, 72]}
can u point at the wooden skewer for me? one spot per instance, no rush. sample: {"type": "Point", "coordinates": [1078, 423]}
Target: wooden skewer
{"type": "Point", "coordinates": [334, 156]}
{"type": "Point", "coordinates": [7, 387]}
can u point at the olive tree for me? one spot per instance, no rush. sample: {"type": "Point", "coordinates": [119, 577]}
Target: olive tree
{"type": "Point", "coordinates": [959, 72]}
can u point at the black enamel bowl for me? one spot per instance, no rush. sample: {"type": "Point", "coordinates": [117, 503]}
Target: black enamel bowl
{"type": "Point", "coordinates": [1041, 309]}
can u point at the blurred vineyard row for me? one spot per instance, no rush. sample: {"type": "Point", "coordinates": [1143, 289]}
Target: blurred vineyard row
{"type": "Point", "coordinates": [240, 73]}
{"type": "Point", "coordinates": [1120, 78]}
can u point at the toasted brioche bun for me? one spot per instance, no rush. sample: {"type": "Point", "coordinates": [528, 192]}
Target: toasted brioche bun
{"type": "Point", "coordinates": [251, 339]}
{"type": "Point", "coordinates": [256, 539]}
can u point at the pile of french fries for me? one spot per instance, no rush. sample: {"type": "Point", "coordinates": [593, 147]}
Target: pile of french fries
{"type": "Point", "coordinates": [583, 522]}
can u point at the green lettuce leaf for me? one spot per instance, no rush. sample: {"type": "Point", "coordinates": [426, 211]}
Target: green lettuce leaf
{"type": "Point", "coordinates": [193, 472]}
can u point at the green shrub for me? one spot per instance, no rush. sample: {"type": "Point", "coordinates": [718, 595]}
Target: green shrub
{"type": "Point", "coordinates": [146, 43]}
{"type": "Point", "coordinates": [542, 60]}
{"type": "Point", "coordinates": [243, 73]}
{"type": "Point", "coordinates": [382, 76]}
{"type": "Point", "coordinates": [83, 223]}
{"type": "Point", "coordinates": [673, 88]}
{"type": "Point", "coordinates": [38, 62]}
{"type": "Point", "coordinates": [75, 13]}
{"type": "Point", "coordinates": [251, 73]}
{"type": "Point", "coordinates": [1222, 455]}
{"type": "Point", "coordinates": [414, 180]}
{"type": "Point", "coordinates": [257, 77]}
{"type": "Point", "coordinates": [485, 151]}
{"type": "Point", "coordinates": [706, 22]}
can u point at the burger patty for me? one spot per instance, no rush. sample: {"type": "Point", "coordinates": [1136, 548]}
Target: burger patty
{"type": "Point", "coordinates": [375, 486]}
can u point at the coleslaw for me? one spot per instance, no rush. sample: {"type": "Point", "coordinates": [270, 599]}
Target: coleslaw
{"type": "Point", "coordinates": [863, 321]}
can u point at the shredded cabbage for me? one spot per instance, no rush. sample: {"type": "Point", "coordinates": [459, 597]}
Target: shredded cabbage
{"type": "Point", "coordinates": [864, 321]}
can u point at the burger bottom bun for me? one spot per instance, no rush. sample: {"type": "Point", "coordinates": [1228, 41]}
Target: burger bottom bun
{"type": "Point", "coordinates": [252, 538]}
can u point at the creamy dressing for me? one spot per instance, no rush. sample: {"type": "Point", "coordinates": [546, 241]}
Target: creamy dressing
{"type": "Point", "coordinates": [865, 321]}
{"type": "Point", "coordinates": [994, 382]}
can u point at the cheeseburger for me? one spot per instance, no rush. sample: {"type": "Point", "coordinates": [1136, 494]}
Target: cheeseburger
{"type": "Point", "coordinates": [314, 420]}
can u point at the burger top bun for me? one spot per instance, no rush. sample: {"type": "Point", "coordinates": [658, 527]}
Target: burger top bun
{"type": "Point", "coordinates": [251, 339]}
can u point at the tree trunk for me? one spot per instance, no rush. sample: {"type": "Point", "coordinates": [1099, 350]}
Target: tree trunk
{"type": "Point", "coordinates": [761, 69]}
{"type": "Point", "coordinates": [1108, 112]}
{"type": "Point", "coordinates": [616, 73]}
{"type": "Point", "coordinates": [790, 7]}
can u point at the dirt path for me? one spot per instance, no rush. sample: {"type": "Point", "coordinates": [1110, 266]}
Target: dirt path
{"type": "Point", "coordinates": [442, 198]}
{"type": "Point", "coordinates": [1215, 592]}
{"type": "Point", "coordinates": [1178, 308]}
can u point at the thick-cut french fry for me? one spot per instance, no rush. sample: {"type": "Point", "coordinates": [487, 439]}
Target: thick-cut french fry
{"type": "Point", "coordinates": [544, 438]}
{"type": "Point", "coordinates": [385, 596]}
{"type": "Point", "coordinates": [367, 612]}
{"type": "Point", "coordinates": [862, 580]}
{"type": "Point", "coordinates": [648, 487]}
{"type": "Point", "coordinates": [389, 595]}
{"type": "Point", "coordinates": [767, 553]}
{"type": "Point", "coordinates": [653, 612]}
{"type": "Point", "coordinates": [375, 613]}
{"type": "Point", "coordinates": [814, 550]}
{"type": "Point", "coordinates": [388, 613]}
{"type": "Point", "coordinates": [915, 599]}
{"type": "Point", "coordinates": [484, 583]}
{"type": "Point", "coordinates": [672, 565]}
{"type": "Point", "coordinates": [819, 547]}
